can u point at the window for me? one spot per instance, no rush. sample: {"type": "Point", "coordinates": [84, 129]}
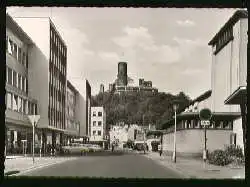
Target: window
{"type": "Point", "coordinates": [36, 112]}
{"type": "Point", "coordinates": [19, 52]}
{"type": "Point", "coordinates": [94, 113]}
{"type": "Point", "coordinates": [14, 79]}
{"type": "Point", "coordinates": [9, 100]}
{"type": "Point", "coordinates": [99, 133]}
{"type": "Point", "coordinates": [99, 113]}
{"type": "Point", "coordinates": [26, 85]}
{"type": "Point", "coordinates": [19, 81]}
{"type": "Point", "coordinates": [9, 79]}
{"type": "Point", "coordinates": [24, 106]}
{"type": "Point", "coordinates": [24, 59]}
{"type": "Point", "coordinates": [10, 47]}
{"type": "Point", "coordinates": [99, 123]}
{"type": "Point", "coordinates": [233, 139]}
{"type": "Point", "coordinates": [23, 83]}
{"type": "Point", "coordinates": [94, 123]}
{"type": "Point", "coordinates": [15, 51]}
{"type": "Point", "coordinates": [94, 132]}
{"type": "Point", "coordinates": [20, 104]}
{"type": "Point", "coordinates": [15, 103]}
{"type": "Point", "coordinates": [29, 107]}
{"type": "Point", "coordinates": [27, 60]}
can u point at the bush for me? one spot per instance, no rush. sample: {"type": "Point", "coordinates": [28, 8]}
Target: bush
{"type": "Point", "coordinates": [219, 157]}
{"type": "Point", "coordinates": [234, 151]}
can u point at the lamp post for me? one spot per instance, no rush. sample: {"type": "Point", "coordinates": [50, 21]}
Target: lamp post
{"type": "Point", "coordinates": [175, 106]}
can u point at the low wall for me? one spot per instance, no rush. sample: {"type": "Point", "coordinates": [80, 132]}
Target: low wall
{"type": "Point", "coordinates": [191, 141]}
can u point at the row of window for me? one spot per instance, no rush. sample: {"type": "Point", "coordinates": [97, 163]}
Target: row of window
{"type": "Point", "coordinates": [99, 113]}
{"type": "Point", "coordinates": [57, 94]}
{"type": "Point", "coordinates": [56, 40]}
{"type": "Point", "coordinates": [99, 133]}
{"type": "Point", "coordinates": [17, 52]}
{"type": "Point", "coordinates": [70, 111]}
{"type": "Point", "coordinates": [99, 123]}
{"type": "Point", "coordinates": [56, 118]}
{"type": "Point", "coordinates": [57, 65]}
{"type": "Point", "coordinates": [224, 38]}
{"type": "Point", "coordinates": [15, 79]}
{"type": "Point", "coordinates": [71, 124]}
{"type": "Point", "coordinates": [213, 124]}
{"type": "Point", "coordinates": [19, 104]}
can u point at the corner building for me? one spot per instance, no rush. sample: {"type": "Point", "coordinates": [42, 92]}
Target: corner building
{"type": "Point", "coordinates": [19, 103]}
{"type": "Point", "coordinates": [48, 77]}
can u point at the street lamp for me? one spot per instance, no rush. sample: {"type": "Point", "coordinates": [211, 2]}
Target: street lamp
{"type": "Point", "coordinates": [175, 106]}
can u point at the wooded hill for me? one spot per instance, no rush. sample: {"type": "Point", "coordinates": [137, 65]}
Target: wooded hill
{"type": "Point", "coordinates": [139, 108]}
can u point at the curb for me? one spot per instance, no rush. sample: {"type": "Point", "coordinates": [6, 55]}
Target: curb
{"type": "Point", "coordinates": [39, 167]}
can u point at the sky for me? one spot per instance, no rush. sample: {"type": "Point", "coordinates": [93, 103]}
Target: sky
{"type": "Point", "coordinates": [168, 46]}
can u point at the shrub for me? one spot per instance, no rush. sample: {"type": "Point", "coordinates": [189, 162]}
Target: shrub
{"type": "Point", "coordinates": [234, 151]}
{"type": "Point", "coordinates": [219, 157]}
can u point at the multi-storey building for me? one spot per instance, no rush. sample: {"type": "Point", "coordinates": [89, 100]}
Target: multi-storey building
{"type": "Point", "coordinates": [229, 70]}
{"type": "Point", "coordinates": [19, 102]}
{"type": "Point", "coordinates": [98, 124]}
{"type": "Point", "coordinates": [48, 76]}
{"type": "Point", "coordinates": [72, 124]}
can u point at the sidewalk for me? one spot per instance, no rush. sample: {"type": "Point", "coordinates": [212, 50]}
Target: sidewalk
{"type": "Point", "coordinates": [25, 164]}
{"type": "Point", "coordinates": [193, 168]}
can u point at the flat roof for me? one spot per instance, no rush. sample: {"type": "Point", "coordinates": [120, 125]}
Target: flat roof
{"type": "Point", "coordinates": [232, 20]}
{"type": "Point", "coordinates": [236, 97]}
{"type": "Point", "coordinates": [16, 29]}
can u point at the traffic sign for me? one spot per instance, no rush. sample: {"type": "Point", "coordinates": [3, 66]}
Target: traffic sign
{"type": "Point", "coordinates": [34, 119]}
{"type": "Point", "coordinates": [205, 123]}
{"type": "Point", "coordinates": [205, 114]}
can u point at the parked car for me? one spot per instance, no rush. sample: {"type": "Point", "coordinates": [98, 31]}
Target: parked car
{"type": "Point", "coordinates": [75, 148]}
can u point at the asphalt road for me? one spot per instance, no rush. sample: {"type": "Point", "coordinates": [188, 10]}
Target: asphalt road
{"type": "Point", "coordinates": [108, 166]}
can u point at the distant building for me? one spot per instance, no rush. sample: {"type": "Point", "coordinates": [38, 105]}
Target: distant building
{"type": "Point", "coordinates": [72, 124]}
{"type": "Point", "coordinates": [123, 85]}
{"type": "Point", "coordinates": [98, 124]}
{"type": "Point", "coordinates": [101, 88]}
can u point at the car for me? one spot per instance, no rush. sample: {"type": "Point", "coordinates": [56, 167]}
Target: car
{"type": "Point", "coordinates": [75, 148]}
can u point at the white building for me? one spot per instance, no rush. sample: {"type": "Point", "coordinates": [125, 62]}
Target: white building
{"type": "Point", "coordinates": [47, 76]}
{"type": "Point", "coordinates": [98, 124]}
{"type": "Point", "coordinates": [119, 134]}
{"type": "Point", "coordinates": [229, 69]}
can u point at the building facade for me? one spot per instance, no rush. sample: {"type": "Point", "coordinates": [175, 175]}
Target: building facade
{"type": "Point", "coordinates": [72, 124]}
{"type": "Point", "coordinates": [19, 102]}
{"type": "Point", "coordinates": [229, 70]}
{"type": "Point", "coordinates": [190, 131]}
{"type": "Point", "coordinates": [98, 124]}
{"type": "Point", "coordinates": [48, 77]}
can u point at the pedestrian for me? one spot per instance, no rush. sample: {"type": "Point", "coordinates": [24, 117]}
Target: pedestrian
{"type": "Point", "coordinates": [160, 149]}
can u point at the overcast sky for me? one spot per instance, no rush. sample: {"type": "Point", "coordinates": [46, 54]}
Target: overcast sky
{"type": "Point", "coordinates": [167, 46]}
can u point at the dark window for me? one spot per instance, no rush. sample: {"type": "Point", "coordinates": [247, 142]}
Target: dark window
{"type": "Point", "coordinates": [14, 79]}
{"type": "Point", "coordinates": [99, 123]}
{"type": "Point", "coordinates": [15, 51]}
{"type": "Point", "coordinates": [27, 86]}
{"type": "Point", "coordinates": [36, 111]}
{"type": "Point", "coordinates": [19, 55]}
{"type": "Point", "coordinates": [23, 83]}
{"type": "Point", "coordinates": [19, 81]}
{"type": "Point", "coordinates": [9, 79]}
{"type": "Point", "coordinates": [27, 60]}
{"type": "Point", "coordinates": [99, 133]}
{"type": "Point", "coordinates": [99, 113]}
{"type": "Point", "coordinates": [24, 59]}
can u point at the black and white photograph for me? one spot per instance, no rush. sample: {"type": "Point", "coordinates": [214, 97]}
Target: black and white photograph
{"type": "Point", "coordinates": [126, 92]}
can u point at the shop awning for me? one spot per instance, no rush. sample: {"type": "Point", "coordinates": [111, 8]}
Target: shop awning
{"type": "Point", "coordinates": [237, 96]}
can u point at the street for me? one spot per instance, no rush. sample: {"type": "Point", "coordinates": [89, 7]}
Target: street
{"type": "Point", "coordinates": [109, 166]}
